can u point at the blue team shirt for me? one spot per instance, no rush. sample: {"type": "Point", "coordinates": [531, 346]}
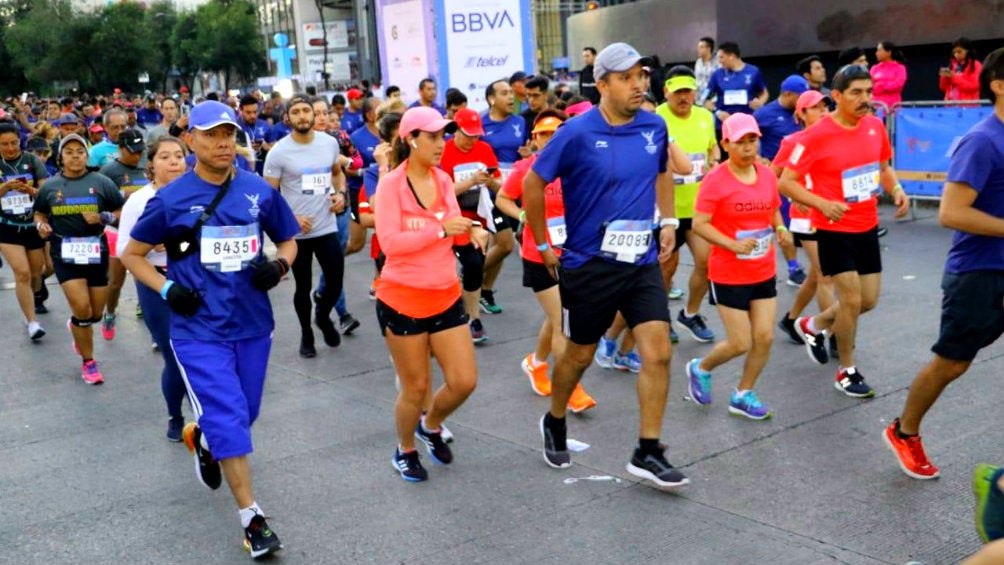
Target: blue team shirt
{"type": "Point", "coordinates": [979, 162]}
{"type": "Point", "coordinates": [258, 130]}
{"type": "Point", "coordinates": [608, 173]}
{"type": "Point", "coordinates": [148, 117]}
{"type": "Point", "coordinates": [351, 121]}
{"type": "Point", "coordinates": [233, 309]}
{"type": "Point", "coordinates": [724, 81]}
{"type": "Point", "coordinates": [278, 131]}
{"type": "Point", "coordinates": [364, 141]}
{"type": "Point", "coordinates": [434, 106]}
{"type": "Point", "coordinates": [775, 123]}
{"type": "Point", "coordinates": [505, 137]}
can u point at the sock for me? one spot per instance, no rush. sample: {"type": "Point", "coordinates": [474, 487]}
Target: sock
{"type": "Point", "coordinates": [846, 369]}
{"type": "Point", "coordinates": [811, 324]}
{"type": "Point", "coordinates": [87, 360]}
{"type": "Point", "coordinates": [688, 314]}
{"type": "Point", "coordinates": [649, 446]}
{"type": "Point", "coordinates": [552, 422]}
{"type": "Point", "coordinates": [792, 265]}
{"type": "Point", "coordinates": [537, 362]}
{"type": "Point", "coordinates": [421, 422]}
{"type": "Point", "coordinates": [900, 434]}
{"type": "Point", "coordinates": [248, 513]}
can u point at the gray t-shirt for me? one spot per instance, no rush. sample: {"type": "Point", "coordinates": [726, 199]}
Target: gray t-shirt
{"type": "Point", "coordinates": [128, 179]}
{"type": "Point", "coordinates": [304, 173]}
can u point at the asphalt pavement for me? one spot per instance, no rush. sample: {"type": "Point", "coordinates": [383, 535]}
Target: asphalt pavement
{"type": "Point", "coordinates": [86, 475]}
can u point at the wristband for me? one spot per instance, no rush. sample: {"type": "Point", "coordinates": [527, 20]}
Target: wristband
{"type": "Point", "coordinates": [167, 286]}
{"type": "Point", "coordinates": [522, 216]}
{"type": "Point", "coordinates": [780, 229]}
{"type": "Point", "coordinates": [675, 222]}
{"type": "Point", "coordinates": [897, 187]}
{"type": "Point", "coordinates": [543, 247]}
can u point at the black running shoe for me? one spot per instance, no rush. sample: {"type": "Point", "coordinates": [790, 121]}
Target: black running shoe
{"type": "Point", "coordinates": [327, 327]}
{"type": "Point", "coordinates": [815, 343]}
{"type": "Point", "coordinates": [40, 307]}
{"type": "Point", "coordinates": [259, 539]}
{"type": "Point", "coordinates": [852, 383]}
{"type": "Point", "coordinates": [307, 350]}
{"type": "Point", "coordinates": [788, 326]}
{"type": "Point", "coordinates": [655, 469]}
{"type": "Point", "coordinates": [348, 323]}
{"type": "Point", "coordinates": [438, 450]}
{"type": "Point", "coordinates": [555, 448]}
{"type": "Point", "coordinates": [207, 469]}
{"type": "Point", "coordinates": [409, 465]}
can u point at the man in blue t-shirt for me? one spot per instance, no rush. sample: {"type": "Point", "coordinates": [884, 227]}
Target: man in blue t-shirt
{"type": "Point", "coordinates": [218, 284]}
{"type": "Point", "coordinates": [972, 313]}
{"type": "Point", "coordinates": [365, 140]}
{"type": "Point", "coordinates": [736, 86]}
{"type": "Point", "coordinates": [255, 128]}
{"type": "Point", "coordinates": [427, 96]}
{"type": "Point", "coordinates": [777, 118]}
{"type": "Point", "coordinates": [612, 162]}
{"type": "Point", "coordinates": [149, 116]}
{"type": "Point", "coordinates": [353, 118]}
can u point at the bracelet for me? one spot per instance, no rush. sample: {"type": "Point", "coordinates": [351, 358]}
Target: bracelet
{"type": "Point", "coordinates": [780, 229]}
{"type": "Point", "coordinates": [167, 286]}
{"type": "Point", "coordinates": [897, 187]}
{"type": "Point", "coordinates": [675, 222]}
{"type": "Point", "coordinates": [543, 247]}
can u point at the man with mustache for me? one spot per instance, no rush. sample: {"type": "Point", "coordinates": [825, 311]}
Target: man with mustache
{"type": "Point", "coordinates": [847, 155]}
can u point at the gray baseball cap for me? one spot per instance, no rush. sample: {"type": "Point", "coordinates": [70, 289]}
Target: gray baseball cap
{"type": "Point", "coordinates": [617, 58]}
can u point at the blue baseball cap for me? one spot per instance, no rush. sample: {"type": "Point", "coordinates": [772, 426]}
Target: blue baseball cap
{"type": "Point", "coordinates": [209, 114]}
{"type": "Point", "coordinates": [794, 83]}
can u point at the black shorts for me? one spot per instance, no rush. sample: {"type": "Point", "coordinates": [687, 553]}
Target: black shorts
{"type": "Point", "coordinates": [592, 294]}
{"type": "Point", "coordinates": [686, 224]}
{"type": "Point", "coordinates": [535, 276]}
{"type": "Point", "coordinates": [399, 324]}
{"type": "Point", "coordinates": [739, 296]}
{"type": "Point", "coordinates": [24, 236]}
{"type": "Point", "coordinates": [840, 252]}
{"type": "Point", "coordinates": [972, 313]}
{"type": "Point", "coordinates": [800, 237]}
{"type": "Point", "coordinates": [96, 274]}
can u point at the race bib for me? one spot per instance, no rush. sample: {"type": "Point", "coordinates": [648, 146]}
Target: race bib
{"type": "Point", "coordinates": [763, 239]}
{"type": "Point", "coordinates": [81, 250]}
{"type": "Point", "coordinates": [736, 98]}
{"type": "Point", "coordinates": [556, 231]}
{"type": "Point", "coordinates": [315, 180]}
{"type": "Point", "coordinates": [700, 163]}
{"type": "Point", "coordinates": [227, 249]}
{"type": "Point", "coordinates": [466, 172]}
{"type": "Point", "coordinates": [626, 240]}
{"type": "Point", "coordinates": [15, 203]}
{"type": "Point", "coordinates": [801, 225]}
{"type": "Point", "coordinates": [860, 183]}
{"type": "Point", "coordinates": [505, 169]}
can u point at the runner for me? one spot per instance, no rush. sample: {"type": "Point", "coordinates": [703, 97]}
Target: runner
{"type": "Point", "coordinates": [427, 96]}
{"type": "Point", "coordinates": [535, 275]}
{"type": "Point", "coordinates": [972, 315]}
{"type": "Point", "coordinates": [126, 173]}
{"type": "Point", "coordinates": [222, 323]}
{"type": "Point", "coordinates": [21, 175]}
{"type": "Point", "coordinates": [418, 296]}
{"type": "Point", "coordinates": [735, 87]}
{"type": "Point", "coordinates": [847, 155]}
{"type": "Point", "coordinates": [617, 270]}
{"type": "Point", "coordinates": [114, 122]}
{"type": "Point", "coordinates": [304, 167]}
{"type": "Point", "coordinates": [74, 208]}
{"type": "Point", "coordinates": [165, 162]}
{"type": "Point", "coordinates": [738, 212]}
{"type": "Point", "coordinates": [809, 109]}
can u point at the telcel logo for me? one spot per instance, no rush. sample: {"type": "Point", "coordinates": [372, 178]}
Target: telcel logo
{"type": "Point", "coordinates": [479, 21]}
{"type": "Point", "coordinates": [485, 62]}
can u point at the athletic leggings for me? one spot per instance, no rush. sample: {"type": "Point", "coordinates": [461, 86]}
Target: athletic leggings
{"type": "Point", "coordinates": [157, 317]}
{"type": "Point", "coordinates": [473, 263]}
{"type": "Point", "coordinates": [328, 251]}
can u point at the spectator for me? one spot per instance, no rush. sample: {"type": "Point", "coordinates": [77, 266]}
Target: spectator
{"type": "Point", "coordinates": [657, 76]}
{"type": "Point", "coordinates": [852, 56]}
{"type": "Point", "coordinates": [536, 99]}
{"type": "Point", "coordinates": [813, 70]}
{"type": "Point", "coordinates": [392, 92]}
{"type": "Point", "coordinates": [587, 84]}
{"type": "Point", "coordinates": [455, 100]}
{"type": "Point", "coordinates": [960, 80]}
{"type": "Point", "coordinates": [705, 65]}
{"type": "Point", "coordinates": [889, 75]}
{"type": "Point", "coordinates": [518, 83]}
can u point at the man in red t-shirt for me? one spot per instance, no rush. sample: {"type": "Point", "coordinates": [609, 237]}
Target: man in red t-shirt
{"type": "Point", "coordinates": [847, 154]}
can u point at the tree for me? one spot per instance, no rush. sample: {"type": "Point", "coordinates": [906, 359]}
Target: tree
{"type": "Point", "coordinates": [121, 46]}
{"type": "Point", "coordinates": [183, 50]}
{"type": "Point", "coordinates": [14, 79]}
{"type": "Point", "coordinates": [41, 49]}
{"type": "Point", "coordinates": [227, 40]}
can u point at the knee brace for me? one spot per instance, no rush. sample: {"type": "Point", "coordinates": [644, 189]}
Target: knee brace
{"type": "Point", "coordinates": [83, 323]}
{"type": "Point", "coordinates": [96, 320]}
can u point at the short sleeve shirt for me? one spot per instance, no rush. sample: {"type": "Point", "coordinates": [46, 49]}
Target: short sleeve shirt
{"type": "Point", "coordinates": [505, 137]}
{"type": "Point", "coordinates": [16, 206]}
{"type": "Point", "coordinates": [64, 200]}
{"type": "Point", "coordinates": [735, 89]}
{"type": "Point", "coordinates": [304, 173]}
{"type": "Point", "coordinates": [695, 135]}
{"type": "Point", "coordinates": [554, 211]}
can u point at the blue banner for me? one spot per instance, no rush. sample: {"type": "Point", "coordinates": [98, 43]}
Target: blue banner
{"type": "Point", "coordinates": [925, 138]}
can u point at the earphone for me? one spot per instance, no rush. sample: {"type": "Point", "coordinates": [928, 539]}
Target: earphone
{"type": "Point", "coordinates": [413, 144]}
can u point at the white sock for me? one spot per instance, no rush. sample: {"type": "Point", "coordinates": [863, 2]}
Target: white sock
{"type": "Point", "coordinates": [812, 325]}
{"type": "Point", "coordinates": [537, 362]}
{"type": "Point", "coordinates": [687, 314]}
{"type": "Point", "coordinates": [248, 513]}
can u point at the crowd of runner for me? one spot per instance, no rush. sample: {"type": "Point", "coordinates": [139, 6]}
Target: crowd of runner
{"type": "Point", "coordinates": [599, 191]}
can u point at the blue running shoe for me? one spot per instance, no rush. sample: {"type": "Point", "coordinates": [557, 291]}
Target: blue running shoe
{"type": "Point", "coordinates": [605, 350]}
{"type": "Point", "coordinates": [700, 383]}
{"type": "Point", "coordinates": [696, 326]}
{"type": "Point", "coordinates": [409, 466]}
{"type": "Point", "coordinates": [746, 403]}
{"type": "Point", "coordinates": [989, 502]}
{"type": "Point", "coordinates": [675, 293]}
{"type": "Point", "coordinates": [629, 362]}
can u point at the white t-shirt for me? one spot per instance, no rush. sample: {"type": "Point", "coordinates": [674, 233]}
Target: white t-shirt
{"type": "Point", "coordinates": [131, 212]}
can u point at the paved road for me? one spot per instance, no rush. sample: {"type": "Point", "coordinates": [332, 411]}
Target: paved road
{"type": "Point", "coordinates": [87, 477]}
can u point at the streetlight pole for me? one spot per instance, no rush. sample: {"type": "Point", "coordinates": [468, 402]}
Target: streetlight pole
{"type": "Point", "coordinates": [324, 39]}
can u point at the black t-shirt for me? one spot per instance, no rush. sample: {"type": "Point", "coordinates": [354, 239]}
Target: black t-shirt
{"type": "Point", "coordinates": [64, 200]}
{"type": "Point", "coordinates": [587, 85]}
{"type": "Point", "coordinates": [16, 206]}
{"type": "Point", "coordinates": [128, 179]}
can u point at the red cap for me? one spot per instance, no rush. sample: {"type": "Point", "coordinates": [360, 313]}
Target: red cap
{"type": "Point", "coordinates": [96, 128]}
{"type": "Point", "coordinates": [738, 126]}
{"type": "Point", "coordinates": [117, 91]}
{"type": "Point", "coordinates": [354, 94]}
{"type": "Point", "coordinates": [183, 89]}
{"type": "Point", "coordinates": [469, 122]}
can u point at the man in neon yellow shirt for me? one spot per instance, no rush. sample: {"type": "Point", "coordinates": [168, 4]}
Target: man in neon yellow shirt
{"type": "Point", "coordinates": [693, 129]}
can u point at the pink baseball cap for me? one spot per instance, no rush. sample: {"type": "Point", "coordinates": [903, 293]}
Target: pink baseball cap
{"type": "Point", "coordinates": [738, 126]}
{"type": "Point", "coordinates": [808, 99]}
{"type": "Point", "coordinates": [423, 118]}
{"type": "Point", "coordinates": [580, 108]}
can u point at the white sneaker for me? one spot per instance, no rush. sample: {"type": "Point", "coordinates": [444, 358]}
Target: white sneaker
{"type": "Point", "coordinates": [35, 331]}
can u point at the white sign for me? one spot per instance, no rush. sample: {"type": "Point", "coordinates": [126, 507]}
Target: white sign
{"type": "Point", "coordinates": [339, 63]}
{"type": "Point", "coordinates": [403, 39]}
{"type": "Point", "coordinates": [338, 35]}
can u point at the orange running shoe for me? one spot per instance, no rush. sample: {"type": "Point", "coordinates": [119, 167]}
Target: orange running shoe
{"type": "Point", "coordinates": [580, 400]}
{"type": "Point", "coordinates": [537, 375]}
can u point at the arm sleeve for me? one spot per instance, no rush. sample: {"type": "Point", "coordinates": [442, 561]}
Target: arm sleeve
{"type": "Point", "coordinates": [973, 162]}
{"type": "Point", "coordinates": [394, 240]}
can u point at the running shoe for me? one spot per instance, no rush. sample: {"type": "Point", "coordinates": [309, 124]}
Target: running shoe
{"type": "Point", "coordinates": [175, 429]}
{"type": "Point", "coordinates": [989, 502]}
{"type": "Point", "coordinates": [90, 373]}
{"type": "Point", "coordinates": [537, 375]}
{"type": "Point", "coordinates": [555, 447]}
{"type": "Point", "coordinates": [35, 331]}
{"type": "Point", "coordinates": [372, 293]}
{"type": "Point", "coordinates": [699, 383]}
{"type": "Point", "coordinates": [73, 340]}
{"type": "Point", "coordinates": [478, 334]}
{"type": "Point", "coordinates": [580, 401]}
{"type": "Point", "coordinates": [815, 343]}
{"type": "Point", "coordinates": [627, 362]}
{"type": "Point", "coordinates": [328, 330]}
{"type": "Point", "coordinates": [139, 311]}
{"type": "Point", "coordinates": [108, 327]}
{"type": "Point", "coordinates": [409, 465]}
{"type": "Point", "coordinates": [673, 336]}
{"type": "Point", "coordinates": [696, 326]}
{"type": "Point", "coordinates": [909, 453]}
{"type": "Point", "coordinates": [487, 302]}
{"type": "Point", "coordinates": [40, 304]}
{"type": "Point", "coordinates": [348, 323]}
{"type": "Point", "coordinates": [655, 468]}
{"type": "Point", "coordinates": [605, 351]}
{"type": "Point", "coordinates": [675, 293]}
{"type": "Point", "coordinates": [259, 539]}
{"type": "Point", "coordinates": [438, 450]}
{"type": "Point", "coordinates": [796, 277]}
{"type": "Point", "coordinates": [748, 404]}
{"type": "Point", "coordinates": [207, 469]}
{"type": "Point", "coordinates": [307, 349]}
{"type": "Point", "coordinates": [445, 433]}
{"type": "Point", "coordinates": [882, 231]}
{"type": "Point", "coordinates": [852, 383]}
{"type": "Point", "coordinates": [787, 325]}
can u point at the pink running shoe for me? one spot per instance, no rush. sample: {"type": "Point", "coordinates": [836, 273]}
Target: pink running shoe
{"type": "Point", "coordinates": [91, 374]}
